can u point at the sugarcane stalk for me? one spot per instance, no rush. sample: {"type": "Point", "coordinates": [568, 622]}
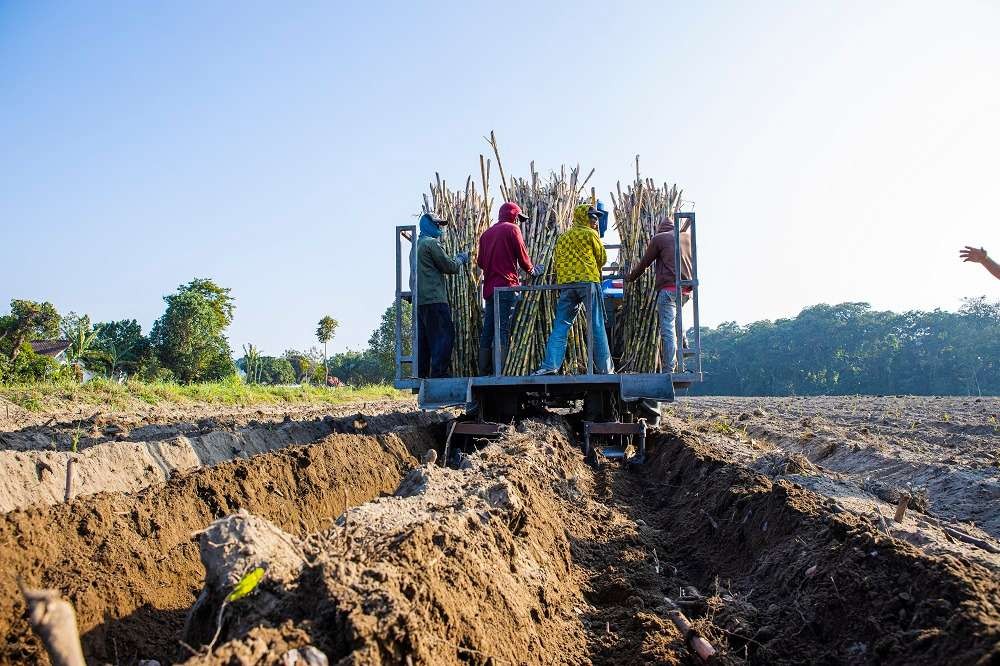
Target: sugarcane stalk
{"type": "Point", "coordinates": [54, 620]}
{"type": "Point", "coordinates": [548, 203]}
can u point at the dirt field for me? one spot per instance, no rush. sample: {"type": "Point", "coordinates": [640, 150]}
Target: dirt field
{"type": "Point", "coordinates": [945, 452]}
{"type": "Point", "coordinates": [759, 519]}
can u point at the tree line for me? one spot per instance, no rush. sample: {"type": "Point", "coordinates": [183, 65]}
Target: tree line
{"type": "Point", "coordinates": [852, 349]}
{"type": "Point", "coordinates": [188, 343]}
{"type": "Point", "coordinates": [841, 349]}
{"type": "Point", "coordinates": [826, 349]}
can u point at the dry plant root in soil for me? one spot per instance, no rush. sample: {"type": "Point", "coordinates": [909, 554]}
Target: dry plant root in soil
{"type": "Point", "coordinates": [530, 556]}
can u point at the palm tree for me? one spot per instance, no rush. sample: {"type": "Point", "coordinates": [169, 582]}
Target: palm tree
{"type": "Point", "coordinates": [324, 333]}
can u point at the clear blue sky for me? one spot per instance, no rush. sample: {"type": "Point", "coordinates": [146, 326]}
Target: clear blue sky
{"type": "Point", "coordinates": [835, 151]}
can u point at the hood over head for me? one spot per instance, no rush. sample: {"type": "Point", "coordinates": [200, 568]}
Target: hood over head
{"type": "Point", "coordinates": [511, 212]}
{"type": "Point", "coordinates": [580, 217]}
{"type": "Point", "coordinates": [428, 227]}
{"type": "Point", "coordinates": [665, 225]}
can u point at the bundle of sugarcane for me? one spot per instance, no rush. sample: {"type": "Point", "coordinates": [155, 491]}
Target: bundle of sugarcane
{"type": "Point", "coordinates": [468, 213]}
{"type": "Point", "coordinates": [549, 207]}
{"type": "Point", "coordinates": [638, 212]}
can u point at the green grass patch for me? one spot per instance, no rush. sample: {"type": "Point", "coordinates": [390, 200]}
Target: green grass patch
{"type": "Point", "coordinates": [37, 397]}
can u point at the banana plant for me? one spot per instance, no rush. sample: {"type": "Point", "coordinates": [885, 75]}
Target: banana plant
{"type": "Point", "coordinates": [81, 336]}
{"type": "Point", "coordinates": [251, 363]}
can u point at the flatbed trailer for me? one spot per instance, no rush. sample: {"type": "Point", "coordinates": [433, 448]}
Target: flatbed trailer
{"type": "Point", "coordinates": [608, 398]}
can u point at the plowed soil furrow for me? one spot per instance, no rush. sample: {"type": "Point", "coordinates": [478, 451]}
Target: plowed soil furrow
{"type": "Point", "coordinates": [943, 451]}
{"type": "Point", "coordinates": [527, 556]}
{"type": "Point", "coordinates": [468, 566]}
{"type": "Point", "coordinates": [130, 464]}
{"type": "Point", "coordinates": [532, 557]}
{"type": "Point", "coordinates": [128, 563]}
{"type": "Point", "coordinates": [771, 575]}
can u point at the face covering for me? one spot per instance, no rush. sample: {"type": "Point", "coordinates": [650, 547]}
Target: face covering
{"type": "Point", "coordinates": [428, 227]}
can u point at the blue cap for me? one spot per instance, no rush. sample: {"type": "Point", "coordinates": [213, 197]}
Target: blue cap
{"type": "Point", "coordinates": [602, 218]}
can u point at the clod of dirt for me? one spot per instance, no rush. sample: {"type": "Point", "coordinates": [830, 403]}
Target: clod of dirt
{"type": "Point", "coordinates": [415, 482]}
{"type": "Point", "coordinates": [233, 545]}
{"type": "Point", "coordinates": [304, 656]}
{"type": "Point", "coordinates": [892, 493]}
{"type": "Point", "coordinates": [230, 548]}
{"type": "Point", "coordinates": [779, 464]}
{"type": "Point", "coordinates": [261, 647]}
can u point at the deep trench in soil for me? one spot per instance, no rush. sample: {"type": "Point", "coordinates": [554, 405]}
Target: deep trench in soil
{"type": "Point", "coordinates": [529, 556]}
{"type": "Point", "coordinates": [129, 563]}
{"type": "Point", "coordinates": [768, 574]}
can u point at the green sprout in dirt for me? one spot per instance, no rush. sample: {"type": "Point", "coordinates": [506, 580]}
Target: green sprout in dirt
{"type": "Point", "coordinates": [247, 584]}
{"type": "Point", "coordinates": [74, 441]}
{"type": "Point", "coordinates": [946, 417]}
{"type": "Point", "coordinates": [721, 427]}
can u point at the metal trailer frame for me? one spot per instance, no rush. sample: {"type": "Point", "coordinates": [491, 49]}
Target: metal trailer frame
{"type": "Point", "coordinates": [406, 232]}
{"type": "Point", "coordinates": [458, 391]}
{"type": "Point", "coordinates": [622, 429]}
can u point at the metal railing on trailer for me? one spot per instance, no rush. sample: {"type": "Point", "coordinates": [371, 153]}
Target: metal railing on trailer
{"type": "Point", "coordinates": [632, 386]}
{"type": "Point", "coordinates": [409, 233]}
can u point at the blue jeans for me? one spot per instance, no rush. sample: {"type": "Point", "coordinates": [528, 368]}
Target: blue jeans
{"type": "Point", "coordinates": [571, 297]}
{"type": "Point", "coordinates": [667, 310]}
{"type": "Point", "coordinates": [508, 300]}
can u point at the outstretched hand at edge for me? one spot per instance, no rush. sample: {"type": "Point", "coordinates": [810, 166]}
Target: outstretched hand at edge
{"type": "Point", "coordinates": [975, 255]}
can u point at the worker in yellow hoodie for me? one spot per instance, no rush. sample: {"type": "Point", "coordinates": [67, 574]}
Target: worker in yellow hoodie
{"type": "Point", "coordinates": [579, 257]}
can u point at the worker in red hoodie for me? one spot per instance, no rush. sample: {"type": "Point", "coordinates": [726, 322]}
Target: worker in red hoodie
{"type": "Point", "coordinates": [501, 253]}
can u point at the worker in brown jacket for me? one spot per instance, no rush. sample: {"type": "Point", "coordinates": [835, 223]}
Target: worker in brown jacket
{"type": "Point", "coordinates": [661, 249]}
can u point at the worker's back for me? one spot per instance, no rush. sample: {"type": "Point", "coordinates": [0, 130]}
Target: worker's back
{"type": "Point", "coordinates": [501, 250]}
{"type": "Point", "coordinates": [579, 254]}
{"type": "Point", "coordinates": [663, 246]}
